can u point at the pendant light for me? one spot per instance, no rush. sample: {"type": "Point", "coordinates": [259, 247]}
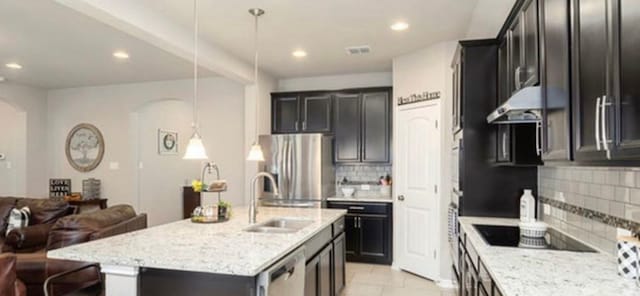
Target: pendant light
{"type": "Point", "coordinates": [195, 148]}
{"type": "Point", "coordinates": [256, 154]}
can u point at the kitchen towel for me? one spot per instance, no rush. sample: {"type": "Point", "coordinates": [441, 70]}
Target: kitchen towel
{"type": "Point", "coordinates": [629, 257]}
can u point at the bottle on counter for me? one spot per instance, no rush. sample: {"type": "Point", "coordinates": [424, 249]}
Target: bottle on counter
{"type": "Point", "coordinates": [527, 207]}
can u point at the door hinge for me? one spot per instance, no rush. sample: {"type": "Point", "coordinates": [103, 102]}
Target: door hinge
{"type": "Point", "coordinates": [436, 124]}
{"type": "Point", "coordinates": [435, 188]}
{"type": "Point", "coordinates": [435, 254]}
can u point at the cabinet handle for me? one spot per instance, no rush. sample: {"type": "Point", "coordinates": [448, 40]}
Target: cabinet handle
{"type": "Point", "coordinates": [356, 208]}
{"type": "Point", "coordinates": [518, 84]}
{"type": "Point", "coordinates": [597, 129]}
{"type": "Point", "coordinates": [539, 138]}
{"type": "Point", "coordinates": [605, 140]}
{"type": "Point", "coordinates": [357, 222]}
{"type": "Point", "coordinates": [504, 146]}
{"type": "Point", "coordinates": [297, 125]}
{"type": "Point", "coordinates": [304, 125]}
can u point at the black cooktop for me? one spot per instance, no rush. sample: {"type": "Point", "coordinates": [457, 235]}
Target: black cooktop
{"type": "Point", "coordinates": [509, 236]}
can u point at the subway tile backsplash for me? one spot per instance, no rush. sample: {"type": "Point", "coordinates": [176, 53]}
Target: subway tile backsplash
{"type": "Point", "coordinates": [611, 191]}
{"type": "Point", "coordinates": [362, 173]}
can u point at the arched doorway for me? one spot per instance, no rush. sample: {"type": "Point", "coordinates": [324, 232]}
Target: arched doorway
{"type": "Point", "coordinates": [13, 147]}
{"type": "Point", "coordinates": [159, 178]}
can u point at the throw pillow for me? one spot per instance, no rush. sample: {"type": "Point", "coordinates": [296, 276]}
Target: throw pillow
{"type": "Point", "coordinates": [18, 218]}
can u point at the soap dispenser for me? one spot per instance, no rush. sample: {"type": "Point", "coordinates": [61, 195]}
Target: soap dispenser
{"type": "Point", "coordinates": [527, 207]}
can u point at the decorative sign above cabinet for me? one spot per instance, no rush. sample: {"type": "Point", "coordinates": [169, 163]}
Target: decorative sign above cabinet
{"type": "Point", "coordinates": [416, 98]}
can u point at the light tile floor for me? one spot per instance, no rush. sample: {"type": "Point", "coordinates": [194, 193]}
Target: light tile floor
{"type": "Point", "coordinates": [381, 280]}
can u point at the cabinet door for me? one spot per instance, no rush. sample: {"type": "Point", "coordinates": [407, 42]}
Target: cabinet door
{"type": "Point", "coordinates": [347, 128]}
{"type": "Point", "coordinates": [339, 272]}
{"type": "Point", "coordinates": [352, 244]}
{"type": "Point", "coordinates": [530, 43]}
{"type": "Point", "coordinates": [457, 94]}
{"type": "Point", "coordinates": [628, 98]}
{"type": "Point", "coordinates": [504, 76]}
{"type": "Point", "coordinates": [286, 113]}
{"type": "Point", "coordinates": [316, 113]}
{"type": "Point", "coordinates": [504, 143]}
{"type": "Point", "coordinates": [325, 279]}
{"type": "Point", "coordinates": [589, 74]}
{"type": "Point", "coordinates": [374, 235]}
{"type": "Point", "coordinates": [311, 287]}
{"type": "Point", "coordinates": [515, 60]}
{"type": "Point", "coordinates": [376, 129]}
{"type": "Point", "coordinates": [555, 80]}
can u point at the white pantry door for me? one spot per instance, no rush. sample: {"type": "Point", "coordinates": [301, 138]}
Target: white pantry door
{"type": "Point", "coordinates": [417, 176]}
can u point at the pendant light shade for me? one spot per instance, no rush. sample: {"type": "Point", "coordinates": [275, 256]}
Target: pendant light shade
{"type": "Point", "coordinates": [256, 154]}
{"type": "Point", "coordinates": [195, 148]}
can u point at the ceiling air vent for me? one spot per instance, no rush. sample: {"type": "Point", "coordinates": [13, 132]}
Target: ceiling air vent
{"type": "Point", "coordinates": [355, 50]}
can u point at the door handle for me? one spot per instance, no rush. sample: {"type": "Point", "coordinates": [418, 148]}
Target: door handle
{"type": "Point", "coordinates": [504, 146]}
{"type": "Point", "coordinates": [539, 138]}
{"type": "Point", "coordinates": [356, 208]}
{"type": "Point", "coordinates": [517, 75]}
{"type": "Point", "coordinates": [597, 129]}
{"type": "Point", "coordinates": [605, 140]}
{"type": "Point", "coordinates": [401, 197]}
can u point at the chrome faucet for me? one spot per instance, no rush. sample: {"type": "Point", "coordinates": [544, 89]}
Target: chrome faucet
{"type": "Point", "coordinates": [253, 203]}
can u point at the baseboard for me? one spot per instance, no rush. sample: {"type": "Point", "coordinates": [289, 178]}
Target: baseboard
{"type": "Point", "coordinates": [446, 284]}
{"type": "Point", "coordinates": [395, 266]}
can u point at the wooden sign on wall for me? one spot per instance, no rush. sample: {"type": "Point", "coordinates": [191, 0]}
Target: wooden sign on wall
{"type": "Point", "coordinates": [59, 187]}
{"type": "Point", "coordinates": [416, 98]}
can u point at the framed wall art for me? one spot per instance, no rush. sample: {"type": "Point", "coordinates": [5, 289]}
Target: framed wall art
{"type": "Point", "coordinates": [84, 147]}
{"type": "Point", "coordinates": [167, 142]}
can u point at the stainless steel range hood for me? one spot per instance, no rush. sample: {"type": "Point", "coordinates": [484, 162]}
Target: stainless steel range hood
{"type": "Point", "coordinates": [523, 107]}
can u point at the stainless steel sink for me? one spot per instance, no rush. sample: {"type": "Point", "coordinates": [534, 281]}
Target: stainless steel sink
{"type": "Point", "coordinates": [280, 225]}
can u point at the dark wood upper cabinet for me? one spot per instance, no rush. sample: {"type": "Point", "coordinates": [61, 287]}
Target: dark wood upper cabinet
{"type": "Point", "coordinates": [514, 37]}
{"type": "Point", "coordinates": [376, 124]}
{"type": "Point", "coordinates": [285, 114]}
{"type": "Point", "coordinates": [589, 76]}
{"type": "Point", "coordinates": [625, 94]}
{"type": "Point", "coordinates": [316, 113]}
{"type": "Point", "coordinates": [363, 127]}
{"type": "Point", "coordinates": [530, 43]}
{"type": "Point", "coordinates": [347, 128]}
{"type": "Point", "coordinates": [555, 80]}
{"type": "Point", "coordinates": [456, 82]}
{"type": "Point", "coordinates": [504, 72]}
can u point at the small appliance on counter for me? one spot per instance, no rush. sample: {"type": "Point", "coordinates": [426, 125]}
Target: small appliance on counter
{"type": "Point", "coordinates": [347, 191]}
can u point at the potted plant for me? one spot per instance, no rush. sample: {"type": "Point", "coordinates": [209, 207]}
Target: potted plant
{"type": "Point", "coordinates": [224, 210]}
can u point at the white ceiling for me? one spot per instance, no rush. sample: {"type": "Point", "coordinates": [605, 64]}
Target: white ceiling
{"type": "Point", "coordinates": [323, 28]}
{"type": "Point", "coordinates": [60, 48]}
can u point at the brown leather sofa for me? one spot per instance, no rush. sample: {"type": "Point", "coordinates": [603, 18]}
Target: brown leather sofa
{"type": "Point", "coordinates": [44, 213]}
{"type": "Point", "coordinates": [71, 230]}
{"type": "Point", "coordinates": [9, 284]}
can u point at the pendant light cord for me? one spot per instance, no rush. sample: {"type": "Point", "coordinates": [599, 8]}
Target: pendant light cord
{"type": "Point", "coordinates": [255, 77]}
{"type": "Point", "coordinates": [195, 66]}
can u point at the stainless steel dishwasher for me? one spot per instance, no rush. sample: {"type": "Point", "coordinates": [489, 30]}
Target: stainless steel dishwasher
{"type": "Point", "coordinates": [284, 278]}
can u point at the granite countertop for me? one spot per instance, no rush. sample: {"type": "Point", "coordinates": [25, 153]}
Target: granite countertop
{"type": "Point", "coordinates": [213, 248]}
{"type": "Point", "coordinates": [385, 199]}
{"type": "Point", "coordinates": [528, 272]}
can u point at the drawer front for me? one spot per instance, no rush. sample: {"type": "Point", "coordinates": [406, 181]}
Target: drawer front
{"type": "Point", "coordinates": [338, 227]}
{"type": "Point", "coordinates": [360, 207]}
{"type": "Point", "coordinates": [319, 241]}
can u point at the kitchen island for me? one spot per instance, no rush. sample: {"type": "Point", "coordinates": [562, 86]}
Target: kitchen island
{"type": "Point", "coordinates": [212, 257]}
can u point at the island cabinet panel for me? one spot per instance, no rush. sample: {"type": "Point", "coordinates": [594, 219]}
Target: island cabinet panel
{"type": "Point", "coordinates": [368, 231]}
{"type": "Point", "coordinates": [161, 282]}
{"type": "Point", "coordinates": [339, 266]}
{"type": "Point", "coordinates": [312, 278]}
{"type": "Point", "coordinates": [326, 279]}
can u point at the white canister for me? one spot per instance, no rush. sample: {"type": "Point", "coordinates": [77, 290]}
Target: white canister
{"type": "Point", "coordinates": [629, 257]}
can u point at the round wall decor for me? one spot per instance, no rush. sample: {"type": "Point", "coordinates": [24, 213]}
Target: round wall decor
{"type": "Point", "coordinates": [84, 147]}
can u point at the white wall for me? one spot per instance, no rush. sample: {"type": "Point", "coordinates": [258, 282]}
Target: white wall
{"type": "Point", "coordinates": [266, 86]}
{"type": "Point", "coordinates": [13, 142]}
{"type": "Point", "coordinates": [126, 114]}
{"type": "Point", "coordinates": [335, 82]}
{"type": "Point", "coordinates": [429, 70]}
{"type": "Point", "coordinates": [31, 103]}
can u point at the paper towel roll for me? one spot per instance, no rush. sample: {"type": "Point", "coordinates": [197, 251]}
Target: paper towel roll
{"type": "Point", "coordinates": [629, 257]}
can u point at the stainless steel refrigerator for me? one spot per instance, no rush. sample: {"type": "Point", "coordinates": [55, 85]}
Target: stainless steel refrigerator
{"type": "Point", "coordinates": [302, 165]}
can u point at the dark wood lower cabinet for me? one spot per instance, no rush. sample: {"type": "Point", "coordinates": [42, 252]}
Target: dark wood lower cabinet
{"type": "Point", "coordinates": [325, 271]}
{"type": "Point", "coordinates": [368, 228]}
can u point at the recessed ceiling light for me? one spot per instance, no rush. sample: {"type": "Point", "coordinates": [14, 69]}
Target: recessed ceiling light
{"type": "Point", "coordinates": [14, 66]}
{"type": "Point", "coordinates": [2, 79]}
{"type": "Point", "coordinates": [400, 26]}
{"type": "Point", "coordinates": [299, 53]}
{"type": "Point", "coordinates": [121, 55]}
